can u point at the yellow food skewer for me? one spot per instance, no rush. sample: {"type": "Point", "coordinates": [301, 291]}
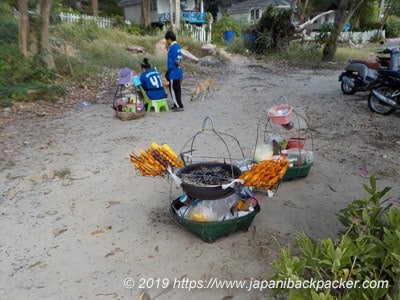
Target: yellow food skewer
{"type": "Point", "coordinates": [154, 160]}
{"type": "Point", "coordinates": [266, 174]}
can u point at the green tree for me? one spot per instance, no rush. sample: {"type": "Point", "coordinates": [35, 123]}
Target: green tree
{"type": "Point", "coordinates": [396, 8]}
{"type": "Point", "coordinates": [274, 30]}
{"type": "Point", "coordinates": [344, 12]}
{"type": "Point", "coordinates": [365, 15]}
{"type": "Point", "coordinates": [393, 27]}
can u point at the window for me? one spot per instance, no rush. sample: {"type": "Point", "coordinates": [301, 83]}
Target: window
{"type": "Point", "coordinates": [255, 14]}
{"type": "Point", "coordinates": [183, 4]}
{"type": "Point", "coordinates": [197, 5]}
{"type": "Point", "coordinates": [153, 5]}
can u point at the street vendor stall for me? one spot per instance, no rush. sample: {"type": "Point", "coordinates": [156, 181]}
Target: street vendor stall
{"type": "Point", "coordinates": [216, 198]}
{"type": "Point", "coordinates": [127, 103]}
{"type": "Point", "coordinates": [285, 132]}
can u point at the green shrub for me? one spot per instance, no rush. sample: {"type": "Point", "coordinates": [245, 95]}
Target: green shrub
{"type": "Point", "coordinates": [133, 29]}
{"type": "Point", "coordinates": [369, 249]}
{"type": "Point", "coordinates": [372, 24]}
{"type": "Point", "coordinates": [24, 79]}
{"type": "Point", "coordinates": [8, 25]}
{"type": "Point", "coordinates": [238, 46]}
{"type": "Point", "coordinates": [323, 35]}
{"type": "Point", "coordinates": [224, 24]}
{"type": "Point", "coordinates": [8, 31]}
{"type": "Point", "coordinates": [392, 27]}
{"type": "Point", "coordinates": [273, 31]}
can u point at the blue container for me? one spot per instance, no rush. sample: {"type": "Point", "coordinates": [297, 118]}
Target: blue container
{"type": "Point", "coordinates": [249, 39]}
{"type": "Point", "coordinates": [136, 81]}
{"type": "Point", "coordinates": [229, 36]}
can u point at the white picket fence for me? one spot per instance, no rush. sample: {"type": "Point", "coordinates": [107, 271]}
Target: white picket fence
{"type": "Point", "coordinates": [361, 37]}
{"type": "Point", "coordinates": [197, 33]}
{"type": "Point", "coordinates": [100, 21]}
{"type": "Point", "coordinates": [357, 37]}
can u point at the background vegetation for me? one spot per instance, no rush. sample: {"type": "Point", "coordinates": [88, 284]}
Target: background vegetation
{"type": "Point", "coordinates": [83, 52]}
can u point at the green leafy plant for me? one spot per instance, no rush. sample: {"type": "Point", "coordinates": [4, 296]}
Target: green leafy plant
{"type": "Point", "coordinates": [366, 215]}
{"type": "Point", "coordinates": [226, 23]}
{"type": "Point", "coordinates": [323, 35]}
{"type": "Point", "coordinates": [368, 250]}
{"type": "Point", "coordinates": [393, 27]}
{"type": "Point", "coordinates": [273, 31]}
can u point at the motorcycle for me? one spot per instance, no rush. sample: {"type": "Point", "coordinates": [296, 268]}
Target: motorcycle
{"type": "Point", "coordinates": [360, 75]}
{"type": "Point", "coordinates": [385, 95]}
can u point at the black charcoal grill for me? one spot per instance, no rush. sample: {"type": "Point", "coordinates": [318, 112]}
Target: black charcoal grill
{"type": "Point", "coordinates": [204, 180]}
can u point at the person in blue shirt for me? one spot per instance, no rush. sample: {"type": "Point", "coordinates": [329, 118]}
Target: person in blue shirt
{"type": "Point", "coordinates": [174, 70]}
{"type": "Point", "coordinates": [151, 81]}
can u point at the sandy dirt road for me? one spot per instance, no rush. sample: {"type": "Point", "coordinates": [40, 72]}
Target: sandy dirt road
{"type": "Point", "coordinates": [77, 220]}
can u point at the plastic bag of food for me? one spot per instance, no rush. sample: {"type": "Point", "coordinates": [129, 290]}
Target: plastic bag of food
{"type": "Point", "coordinates": [263, 151]}
{"type": "Point", "coordinates": [209, 210]}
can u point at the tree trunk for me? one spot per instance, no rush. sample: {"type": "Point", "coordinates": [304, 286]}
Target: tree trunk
{"type": "Point", "coordinates": [304, 11]}
{"type": "Point", "coordinates": [146, 12]}
{"type": "Point", "coordinates": [293, 4]}
{"type": "Point", "coordinates": [385, 13]}
{"type": "Point", "coordinates": [171, 15]}
{"type": "Point", "coordinates": [344, 12]}
{"type": "Point", "coordinates": [23, 27]}
{"type": "Point", "coordinates": [45, 35]}
{"type": "Point", "coordinates": [95, 8]}
{"type": "Point", "coordinates": [177, 15]}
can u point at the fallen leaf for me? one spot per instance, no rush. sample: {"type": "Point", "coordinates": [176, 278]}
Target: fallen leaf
{"type": "Point", "coordinates": [116, 250]}
{"type": "Point", "coordinates": [143, 296]}
{"type": "Point", "coordinates": [96, 232]}
{"type": "Point", "coordinates": [37, 264]}
{"type": "Point", "coordinates": [58, 231]}
{"type": "Point", "coordinates": [112, 203]}
{"type": "Point", "coordinates": [156, 248]}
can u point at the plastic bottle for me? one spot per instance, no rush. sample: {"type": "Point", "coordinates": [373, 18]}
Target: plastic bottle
{"type": "Point", "coordinates": [184, 199]}
{"type": "Point", "coordinates": [85, 104]}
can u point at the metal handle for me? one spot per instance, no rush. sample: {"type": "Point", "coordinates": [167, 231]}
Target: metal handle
{"type": "Point", "coordinates": [283, 97]}
{"type": "Point", "coordinates": [203, 127]}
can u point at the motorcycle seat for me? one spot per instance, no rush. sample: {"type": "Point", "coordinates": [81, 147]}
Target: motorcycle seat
{"type": "Point", "coordinates": [390, 73]}
{"type": "Point", "coordinates": [384, 61]}
{"type": "Point", "coordinates": [370, 64]}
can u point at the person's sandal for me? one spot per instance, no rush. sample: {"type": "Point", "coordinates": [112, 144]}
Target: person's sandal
{"type": "Point", "coordinates": [175, 109]}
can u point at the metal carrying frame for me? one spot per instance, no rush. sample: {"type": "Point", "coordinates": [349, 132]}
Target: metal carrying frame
{"type": "Point", "coordinates": [292, 172]}
{"type": "Point", "coordinates": [187, 155]}
{"type": "Point", "coordinates": [204, 179]}
{"type": "Point", "coordinates": [122, 90]}
{"type": "Point", "coordinates": [211, 230]}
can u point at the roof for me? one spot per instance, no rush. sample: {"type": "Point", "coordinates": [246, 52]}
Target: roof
{"type": "Point", "coordinates": [128, 2]}
{"type": "Point", "coordinates": [246, 5]}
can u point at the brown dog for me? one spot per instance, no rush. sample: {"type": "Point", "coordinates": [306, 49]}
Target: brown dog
{"type": "Point", "coordinates": [202, 87]}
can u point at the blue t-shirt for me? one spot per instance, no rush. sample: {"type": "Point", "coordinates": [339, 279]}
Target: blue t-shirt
{"type": "Point", "coordinates": [152, 84]}
{"type": "Point", "coordinates": [174, 54]}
